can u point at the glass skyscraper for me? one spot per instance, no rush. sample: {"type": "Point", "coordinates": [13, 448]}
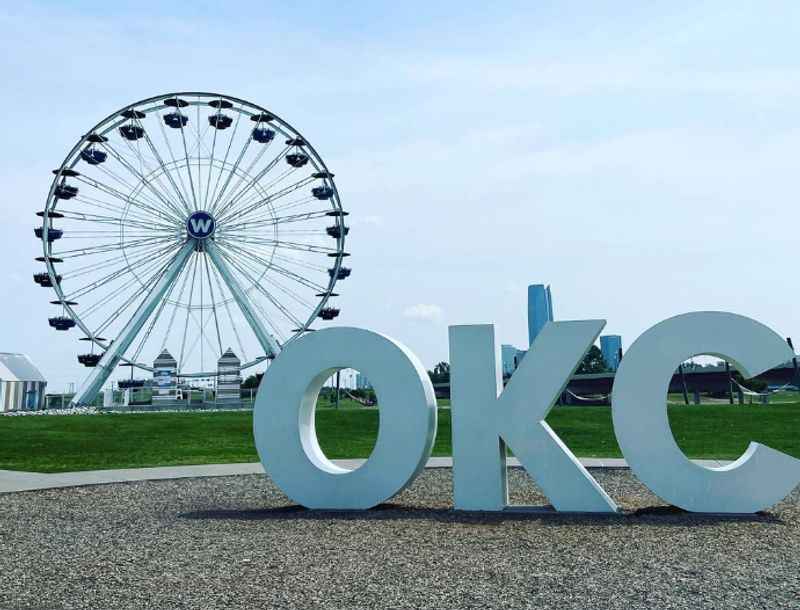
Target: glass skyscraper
{"type": "Point", "coordinates": [540, 309]}
{"type": "Point", "coordinates": [610, 346]}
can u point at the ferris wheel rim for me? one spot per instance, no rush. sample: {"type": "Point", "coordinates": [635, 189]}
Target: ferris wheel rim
{"type": "Point", "coordinates": [108, 124]}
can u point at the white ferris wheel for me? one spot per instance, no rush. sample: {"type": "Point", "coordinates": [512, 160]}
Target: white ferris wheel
{"type": "Point", "coordinates": [193, 223]}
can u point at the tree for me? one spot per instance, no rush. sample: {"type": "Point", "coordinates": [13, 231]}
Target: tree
{"type": "Point", "coordinates": [252, 381]}
{"type": "Point", "coordinates": [753, 384]}
{"type": "Point", "coordinates": [440, 373]}
{"type": "Point", "coordinates": [593, 362]}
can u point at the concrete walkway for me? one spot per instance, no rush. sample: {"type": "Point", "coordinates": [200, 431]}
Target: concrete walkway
{"type": "Point", "coordinates": [13, 480]}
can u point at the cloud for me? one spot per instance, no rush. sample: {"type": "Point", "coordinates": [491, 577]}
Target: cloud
{"type": "Point", "coordinates": [424, 311]}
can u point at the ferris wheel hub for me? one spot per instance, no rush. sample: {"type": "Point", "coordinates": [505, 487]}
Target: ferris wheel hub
{"type": "Point", "coordinates": [200, 225]}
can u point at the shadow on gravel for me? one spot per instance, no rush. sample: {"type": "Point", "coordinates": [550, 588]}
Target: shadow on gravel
{"type": "Point", "coordinates": [672, 515]}
{"type": "Point", "coordinates": [545, 515]}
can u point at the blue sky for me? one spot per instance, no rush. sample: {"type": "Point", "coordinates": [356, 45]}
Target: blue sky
{"type": "Point", "coordinates": [641, 158]}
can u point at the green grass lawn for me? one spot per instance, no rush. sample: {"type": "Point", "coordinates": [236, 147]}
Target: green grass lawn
{"type": "Point", "coordinates": [86, 442]}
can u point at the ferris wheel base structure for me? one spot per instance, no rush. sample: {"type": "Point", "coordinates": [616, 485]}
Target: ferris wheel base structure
{"type": "Point", "coordinates": [92, 385]}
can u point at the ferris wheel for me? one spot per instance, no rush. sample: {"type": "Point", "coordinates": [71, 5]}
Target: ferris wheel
{"type": "Point", "coordinates": [192, 223]}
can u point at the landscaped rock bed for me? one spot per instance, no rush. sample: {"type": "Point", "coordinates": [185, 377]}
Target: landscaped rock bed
{"type": "Point", "coordinates": [237, 542]}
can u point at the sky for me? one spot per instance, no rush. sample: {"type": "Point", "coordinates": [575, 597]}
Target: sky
{"type": "Point", "coordinates": [641, 158]}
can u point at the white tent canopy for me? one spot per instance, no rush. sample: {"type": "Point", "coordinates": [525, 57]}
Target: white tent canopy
{"type": "Point", "coordinates": [22, 385]}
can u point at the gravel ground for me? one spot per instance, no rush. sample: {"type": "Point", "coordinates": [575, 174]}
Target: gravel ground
{"type": "Point", "coordinates": [236, 542]}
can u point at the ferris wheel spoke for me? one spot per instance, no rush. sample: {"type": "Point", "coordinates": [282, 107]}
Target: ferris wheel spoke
{"type": "Point", "coordinates": [110, 233]}
{"type": "Point", "coordinates": [132, 213]}
{"type": "Point", "coordinates": [256, 225]}
{"type": "Point", "coordinates": [109, 190]}
{"type": "Point", "coordinates": [210, 168]}
{"type": "Point", "coordinates": [144, 201]}
{"type": "Point", "coordinates": [226, 305]}
{"type": "Point", "coordinates": [188, 165]}
{"type": "Point", "coordinates": [153, 321]}
{"type": "Point", "coordinates": [232, 172]}
{"type": "Point", "coordinates": [109, 299]}
{"type": "Point", "coordinates": [146, 257]}
{"type": "Point", "coordinates": [242, 213]}
{"type": "Point", "coordinates": [257, 285]}
{"type": "Point", "coordinates": [188, 313]}
{"type": "Point", "coordinates": [175, 306]}
{"type": "Point", "coordinates": [202, 325]}
{"type": "Point", "coordinates": [200, 146]}
{"type": "Point", "coordinates": [300, 263]}
{"type": "Point", "coordinates": [127, 156]}
{"type": "Point", "coordinates": [287, 245]}
{"type": "Point", "coordinates": [257, 194]}
{"type": "Point", "coordinates": [120, 298]}
{"type": "Point", "coordinates": [117, 349]}
{"type": "Point", "coordinates": [113, 220]}
{"type": "Point", "coordinates": [183, 193]}
{"type": "Point", "coordinates": [95, 266]}
{"type": "Point", "coordinates": [263, 215]}
{"type": "Point", "coordinates": [271, 265]}
{"type": "Point", "coordinates": [197, 149]}
{"type": "Point", "coordinates": [267, 217]}
{"type": "Point", "coordinates": [277, 334]}
{"type": "Point", "coordinates": [295, 296]}
{"type": "Point", "coordinates": [200, 339]}
{"type": "Point", "coordinates": [155, 271]}
{"type": "Point", "coordinates": [246, 173]}
{"type": "Point", "coordinates": [128, 153]}
{"type": "Point", "coordinates": [275, 220]}
{"type": "Point", "coordinates": [224, 163]}
{"type": "Point", "coordinates": [130, 218]}
{"type": "Point", "coordinates": [261, 194]}
{"type": "Point", "coordinates": [213, 303]}
{"type": "Point", "coordinates": [155, 174]}
{"type": "Point", "coordinates": [255, 180]}
{"type": "Point", "coordinates": [109, 247]}
{"type": "Point", "coordinates": [113, 247]}
{"type": "Point", "coordinates": [221, 261]}
{"type": "Point", "coordinates": [295, 203]}
{"type": "Point", "coordinates": [139, 175]}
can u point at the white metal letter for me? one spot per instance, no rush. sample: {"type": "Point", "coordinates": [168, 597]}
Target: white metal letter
{"type": "Point", "coordinates": [760, 477]}
{"type": "Point", "coordinates": [483, 422]}
{"type": "Point", "coordinates": [283, 419]}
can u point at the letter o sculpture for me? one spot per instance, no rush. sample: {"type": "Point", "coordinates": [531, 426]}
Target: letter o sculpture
{"type": "Point", "coordinates": [283, 419]}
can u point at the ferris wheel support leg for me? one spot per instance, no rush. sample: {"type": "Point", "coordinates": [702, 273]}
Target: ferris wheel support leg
{"type": "Point", "coordinates": [91, 386]}
{"type": "Point", "coordinates": [268, 342]}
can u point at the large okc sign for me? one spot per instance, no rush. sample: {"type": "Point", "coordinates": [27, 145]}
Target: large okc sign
{"type": "Point", "coordinates": [487, 418]}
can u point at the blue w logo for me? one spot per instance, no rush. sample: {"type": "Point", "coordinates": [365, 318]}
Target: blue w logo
{"type": "Point", "coordinates": [201, 226]}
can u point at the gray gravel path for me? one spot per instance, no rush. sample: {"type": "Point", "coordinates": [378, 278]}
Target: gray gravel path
{"type": "Point", "coordinates": [236, 542]}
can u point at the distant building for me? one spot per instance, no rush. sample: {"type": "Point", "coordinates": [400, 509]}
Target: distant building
{"type": "Point", "coordinates": [165, 378]}
{"type": "Point", "coordinates": [540, 309]}
{"type": "Point", "coordinates": [510, 357]}
{"type": "Point", "coordinates": [611, 347]}
{"type": "Point", "coordinates": [229, 378]}
{"type": "Point", "coordinates": [22, 386]}
{"type": "Point", "coordinates": [362, 383]}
